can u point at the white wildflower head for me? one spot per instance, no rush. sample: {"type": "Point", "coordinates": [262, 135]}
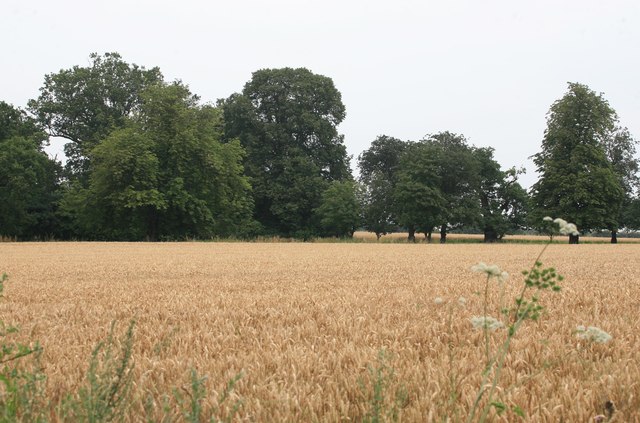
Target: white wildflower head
{"type": "Point", "coordinates": [560, 222]}
{"type": "Point", "coordinates": [438, 300]}
{"type": "Point", "coordinates": [462, 301]}
{"type": "Point", "coordinates": [548, 219]}
{"type": "Point", "coordinates": [504, 276]}
{"type": "Point", "coordinates": [569, 229]}
{"type": "Point", "coordinates": [486, 322]}
{"type": "Point", "coordinates": [564, 227]}
{"type": "Point", "coordinates": [491, 270]}
{"type": "Point", "coordinates": [593, 334]}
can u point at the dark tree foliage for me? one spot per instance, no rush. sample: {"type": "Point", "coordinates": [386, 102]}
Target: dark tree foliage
{"type": "Point", "coordinates": [418, 200]}
{"type": "Point", "coordinates": [165, 175]}
{"type": "Point", "coordinates": [339, 211]}
{"type": "Point", "coordinates": [15, 123]}
{"type": "Point", "coordinates": [620, 148]}
{"type": "Point", "coordinates": [28, 178]}
{"type": "Point", "coordinates": [632, 214]}
{"type": "Point", "coordinates": [287, 121]}
{"type": "Point", "coordinates": [85, 104]}
{"type": "Point", "coordinates": [382, 159]}
{"type": "Point", "coordinates": [440, 182]}
{"type": "Point", "coordinates": [578, 182]}
{"type": "Point", "coordinates": [376, 199]}
{"type": "Point", "coordinates": [503, 201]}
{"type": "Point", "coordinates": [379, 171]}
{"type": "Point", "coordinates": [458, 175]}
{"type": "Point", "coordinates": [147, 161]}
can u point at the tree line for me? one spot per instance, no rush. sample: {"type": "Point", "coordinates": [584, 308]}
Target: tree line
{"type": "Point", "coordinates": [147, 160]}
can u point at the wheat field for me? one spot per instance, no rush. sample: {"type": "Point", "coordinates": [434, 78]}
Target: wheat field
{"type": "Point", "coordinates": [305, 325]}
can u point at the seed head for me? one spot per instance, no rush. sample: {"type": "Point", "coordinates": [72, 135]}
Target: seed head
{"type": "Point", "coordinates": [565, 227]}
{"type": "Point", "coordinates": [486, 322]}
{"type": "Point", "coordinates": [490, 270]}
{"type": "Point", "coordinates": [594, 334]}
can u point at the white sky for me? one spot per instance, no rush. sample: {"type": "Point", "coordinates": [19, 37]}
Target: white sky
{"type": "Point", "coordinates": [488, 69]}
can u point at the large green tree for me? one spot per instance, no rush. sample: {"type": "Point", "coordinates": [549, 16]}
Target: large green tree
{"type": "Point", "coordinates": [28, 178]}
{"type": "Point", "coordinates": [503, 201]}
{"type": "Point", "coordinates": [379, 172]}
{"type": "Point", "coordinates": [458, 172]}
{"type": "Point", "coordinates": [419, 203]}
{"type": "Point", "coordinates": [377, 201]}
{"type": "Point", "coordinates": [85, 104]}
{"type": "Point", "coordinates": [632, 214]}
{"type": "Point", "coordinates": [577, 181]}
{"type": "Point", "coordinates": [620, 149]}
{"type": "Point", "coordinates": [287, 121]}
{"type": "Point", "coordinates": [339, 212]}
{"type": "Point", "coordinates": [165, 175]}
{"type": "Point", "coordinates": [382, 158]}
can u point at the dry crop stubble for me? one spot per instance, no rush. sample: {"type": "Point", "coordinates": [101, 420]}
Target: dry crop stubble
{"type": "Point", "coordinates": [303, 321]}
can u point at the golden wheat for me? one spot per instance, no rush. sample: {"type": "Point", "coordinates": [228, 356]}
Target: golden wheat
{"type": "Point", "coordinates": [303, 322]}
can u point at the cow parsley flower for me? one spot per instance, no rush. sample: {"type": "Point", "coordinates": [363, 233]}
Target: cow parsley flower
{"type": "Point", "coordinates": [569, 229]}
{"type": "Point", "coordinates": [594, 334]}
{"type": "Point", "coordinates": [548, 219]}
{"type": "Point", "coordinates": [491, 270]}
{"type": "Point", "coordinates": [560, 222]}
{"type": "Point", "coordinates": [486, 322]}
{"type": "Point", "coordinates": [565, 227]}
{"type": "Point", "coordinates": [462, 301]}
{"type": "Point", "coordinates": [438, 300]}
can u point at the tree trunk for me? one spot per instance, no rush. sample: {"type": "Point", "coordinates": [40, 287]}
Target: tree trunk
{"type": "Point", "coordinates": [490, 235]}
{"type": "Point", "coordinates": [574, 239]}
{"type": "Point", "coordinates": [614, 237]}
{"type": "Point", "coordinates": [412, 234]}
{"type": "Point", "coordinates": [429, 237]}
{"type": "Point", "coordinates": [378, 235]}
{"type": "Point", "coordinates": [443, 234]}
{"type": "Point", "coordinates": [152, 224]}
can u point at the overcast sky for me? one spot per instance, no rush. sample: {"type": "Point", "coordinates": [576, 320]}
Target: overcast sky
{"type": "Point", "coordinates": [488, 69]}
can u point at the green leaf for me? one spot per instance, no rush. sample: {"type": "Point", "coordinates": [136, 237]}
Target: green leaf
{"type": "Point", "coordinates": [517, 410]}
{"type": "Point", "coordinates": [500, 407]}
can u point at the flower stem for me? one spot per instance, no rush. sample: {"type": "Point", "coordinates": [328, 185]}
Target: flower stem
{"type": "Point", "coordinates": [484, 325]}
{"type": "Point", "coordinates": [525, 287]}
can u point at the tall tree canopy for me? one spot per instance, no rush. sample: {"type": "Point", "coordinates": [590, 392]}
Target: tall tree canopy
{"type": "Point", "coordinates": [28, 178]}
{"type": "Point", "coordinates": [84, 104]}
{"type": "Point", "coordinates": [419, 203]}
{"type": "Point", "coordinates": [165, 175]}
{"type": "Point", "coordinates": [620, 149]}
{"type": "Point", "coordinates": [339, 212]}
{"type": "Point", "coordinates": [379, 173]}
{"type": "Point", "coordinates": [577, 180]}
{"type": "Point", "coordinates": [503, 202]}
{"type": "Point", "coordinates": [382, 158]}
{"type": "Point", "coordinates": [287, 120]}
{"type": "Point", "coordinates": [458, 176]}
{"type": "Point", "coordinates": [440, 182]}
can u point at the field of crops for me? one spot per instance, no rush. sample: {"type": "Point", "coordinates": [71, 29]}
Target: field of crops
{"type": "Point", "coordinates": [315, 328]}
